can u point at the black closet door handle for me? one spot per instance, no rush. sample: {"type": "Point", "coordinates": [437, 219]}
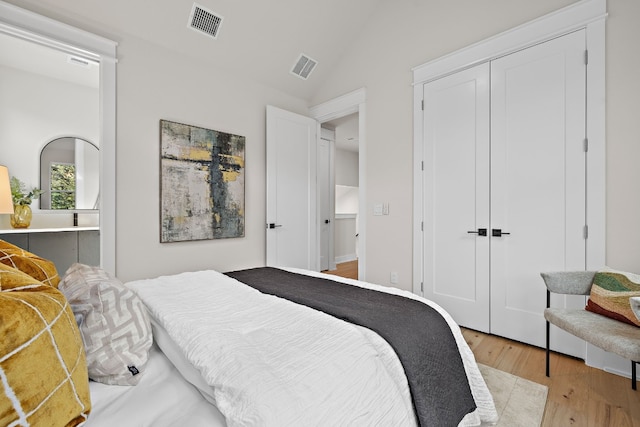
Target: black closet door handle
{"type": "Point", "coordinates": [480, 232]}
{"type": "Point", "coordinates": [497, 232]}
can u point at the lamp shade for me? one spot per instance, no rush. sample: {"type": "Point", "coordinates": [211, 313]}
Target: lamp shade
{"type": "Point", "coordinates": [6, 202]}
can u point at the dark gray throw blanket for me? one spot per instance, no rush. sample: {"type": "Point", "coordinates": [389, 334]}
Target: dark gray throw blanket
{"type": "Point", "coordinates": [419, 335]}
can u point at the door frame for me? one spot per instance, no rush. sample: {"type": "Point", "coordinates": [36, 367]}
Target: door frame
{"type": "Point", "coordinates": [352, 102]}
{"type": "Point", "coordinates": [37, 28]}
{"type": "Point", "coordinates": [586, 14]}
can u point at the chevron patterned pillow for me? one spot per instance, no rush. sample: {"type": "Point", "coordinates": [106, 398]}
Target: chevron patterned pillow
{"type": "Point", "coordinates": [113, 322]}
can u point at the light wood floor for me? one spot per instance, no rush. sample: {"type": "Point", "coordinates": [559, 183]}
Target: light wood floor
{"type": "Point", "coordinates": [346, 269]}
{"type": "Point", "coordinates": [579, 396]}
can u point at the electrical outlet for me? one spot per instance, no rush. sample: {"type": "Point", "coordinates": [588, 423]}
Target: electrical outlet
{"type": "Point", "coordinates": [394, 277]}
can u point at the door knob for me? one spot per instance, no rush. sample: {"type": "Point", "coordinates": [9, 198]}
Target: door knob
{"type": "Point", "coordinates": [480, 232]}
{"type": "Point", "coordinates": [497, 232]}
{"type": "Point", "coordinates": [326, 221]}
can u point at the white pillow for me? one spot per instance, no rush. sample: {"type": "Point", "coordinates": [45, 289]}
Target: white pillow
{"type": "Point", "coordinates": [174, 353]}
{"type": "Point", "coordinates": [113, 323]}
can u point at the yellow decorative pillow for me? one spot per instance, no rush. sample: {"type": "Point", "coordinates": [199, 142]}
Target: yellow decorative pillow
{"type": "Point", "coordinates": [39, 268]}
{"type": "Point", "coordinates": [42, 361]}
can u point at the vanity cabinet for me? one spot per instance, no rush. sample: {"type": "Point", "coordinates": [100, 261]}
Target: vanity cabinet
{"type": "Point", "coordinates": [62, 247]}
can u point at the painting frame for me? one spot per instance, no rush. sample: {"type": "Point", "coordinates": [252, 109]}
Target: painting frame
{"type": "Point", "coordinates": [202, 188]}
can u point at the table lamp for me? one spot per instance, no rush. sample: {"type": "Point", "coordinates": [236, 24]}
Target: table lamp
{"type": "Point", "coordinates": [6, 202]}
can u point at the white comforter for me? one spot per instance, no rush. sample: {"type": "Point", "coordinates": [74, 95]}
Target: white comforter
{"type": "Point", "coordinates": [271, 362]}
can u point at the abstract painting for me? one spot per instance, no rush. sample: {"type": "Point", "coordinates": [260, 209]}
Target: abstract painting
{"type": "Point", "coordinates": [201, 183]}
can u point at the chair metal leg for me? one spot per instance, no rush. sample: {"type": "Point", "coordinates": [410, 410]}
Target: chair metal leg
{"type": "Point", "coordinates": [548, 305]}
{"type": "Point", "coordinates": [548, 349]}
{"type": "Point", "coordinates": [633, 374]}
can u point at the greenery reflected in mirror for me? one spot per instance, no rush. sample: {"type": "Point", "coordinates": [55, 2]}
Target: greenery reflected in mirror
{"type": "Point", "coordinates": [63, 186]}
{"type": "Point", "coordinates": [69, 174]}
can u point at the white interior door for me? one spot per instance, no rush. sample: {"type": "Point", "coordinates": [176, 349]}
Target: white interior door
{"type": "Point", "coordinates": [292, 236]}
{"type": "Point", "coordinates": [456, 195]}
{"type": "Point", "coordinates": [325, 205]}
{"type": "Point", "coordinates": [537, 179]}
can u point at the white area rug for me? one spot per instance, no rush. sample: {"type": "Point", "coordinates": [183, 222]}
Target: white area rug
{"type": "Point", "coordinates": [519, 402]}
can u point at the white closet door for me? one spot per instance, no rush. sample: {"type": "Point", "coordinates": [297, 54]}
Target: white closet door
{"type": "Point", "coordinates": [456, 195]}
{"type": "Point", "coordinates": [537, 179]}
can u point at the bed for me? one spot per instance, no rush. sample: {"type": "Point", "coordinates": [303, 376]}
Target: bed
{"type": "Point", "coordinates": [207, 349]}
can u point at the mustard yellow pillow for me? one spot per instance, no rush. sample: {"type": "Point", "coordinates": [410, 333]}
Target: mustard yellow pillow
{"type": "Point", "coordinates": [39, 268]}
{"type": "Point", "coordinates": [42, 361]}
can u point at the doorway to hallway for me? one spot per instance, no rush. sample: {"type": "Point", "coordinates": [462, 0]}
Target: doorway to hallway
{"type": "Point", "coordinates": [343, 177]}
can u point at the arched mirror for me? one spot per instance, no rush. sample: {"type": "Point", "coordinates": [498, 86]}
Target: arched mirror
{"type": "Point", "coordinates": [69, 174]}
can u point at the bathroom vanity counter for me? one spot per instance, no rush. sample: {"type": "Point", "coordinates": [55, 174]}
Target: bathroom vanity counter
{"type": "Point", "coordinates": [45, 230]}
{"type": "Point", "coordinates": [62, 245]}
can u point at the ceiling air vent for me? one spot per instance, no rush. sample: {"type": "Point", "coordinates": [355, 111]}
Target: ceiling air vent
{"type": "Point", "coordinates": [304, 66]}
{"type": "Point", "coordinates": [75, 60]}
{"type": "Point", "coordinates": [204, 21]}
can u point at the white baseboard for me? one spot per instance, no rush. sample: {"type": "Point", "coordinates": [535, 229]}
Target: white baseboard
{"type": "Point", "coordinates": [346, 258]}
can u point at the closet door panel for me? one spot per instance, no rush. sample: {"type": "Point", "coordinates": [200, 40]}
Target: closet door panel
{"type": "Point", "coordinates": [456, 189]}
{"type": "Point", "coordinates": [537, 179]}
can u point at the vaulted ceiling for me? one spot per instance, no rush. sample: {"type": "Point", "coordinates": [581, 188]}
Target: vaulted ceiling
{"type": "Point", "coordinates": [259, 39]}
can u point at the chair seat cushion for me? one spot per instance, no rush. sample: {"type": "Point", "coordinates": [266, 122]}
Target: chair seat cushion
{"type": "Point", "coordinates": [608, 334]}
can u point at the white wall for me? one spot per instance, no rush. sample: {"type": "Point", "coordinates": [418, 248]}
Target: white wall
{"type": "Point", "coordinates": [347, 201]}
{"type": "Point", "coordinates": [345, 238]}
{"type": "Point", "coordinates": [346, 167]}
{"type": "Point", "coordinates": [155, 84]}
{"type": "Point", "coordinates": [417, 32]}
{"type": "Point", "coordinates": [35, 110]}
{"type": "Point", "coordinates": [623, 135]}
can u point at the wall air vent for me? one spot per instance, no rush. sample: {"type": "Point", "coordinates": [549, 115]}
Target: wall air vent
{"type": "Point", "coordinates": [303, 66]}
{"type": "Point", "coordinates": [204, 21]}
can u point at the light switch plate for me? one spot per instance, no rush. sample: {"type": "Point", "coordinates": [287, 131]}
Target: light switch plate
{"type": "Point", "coordinates": [393, 277]}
